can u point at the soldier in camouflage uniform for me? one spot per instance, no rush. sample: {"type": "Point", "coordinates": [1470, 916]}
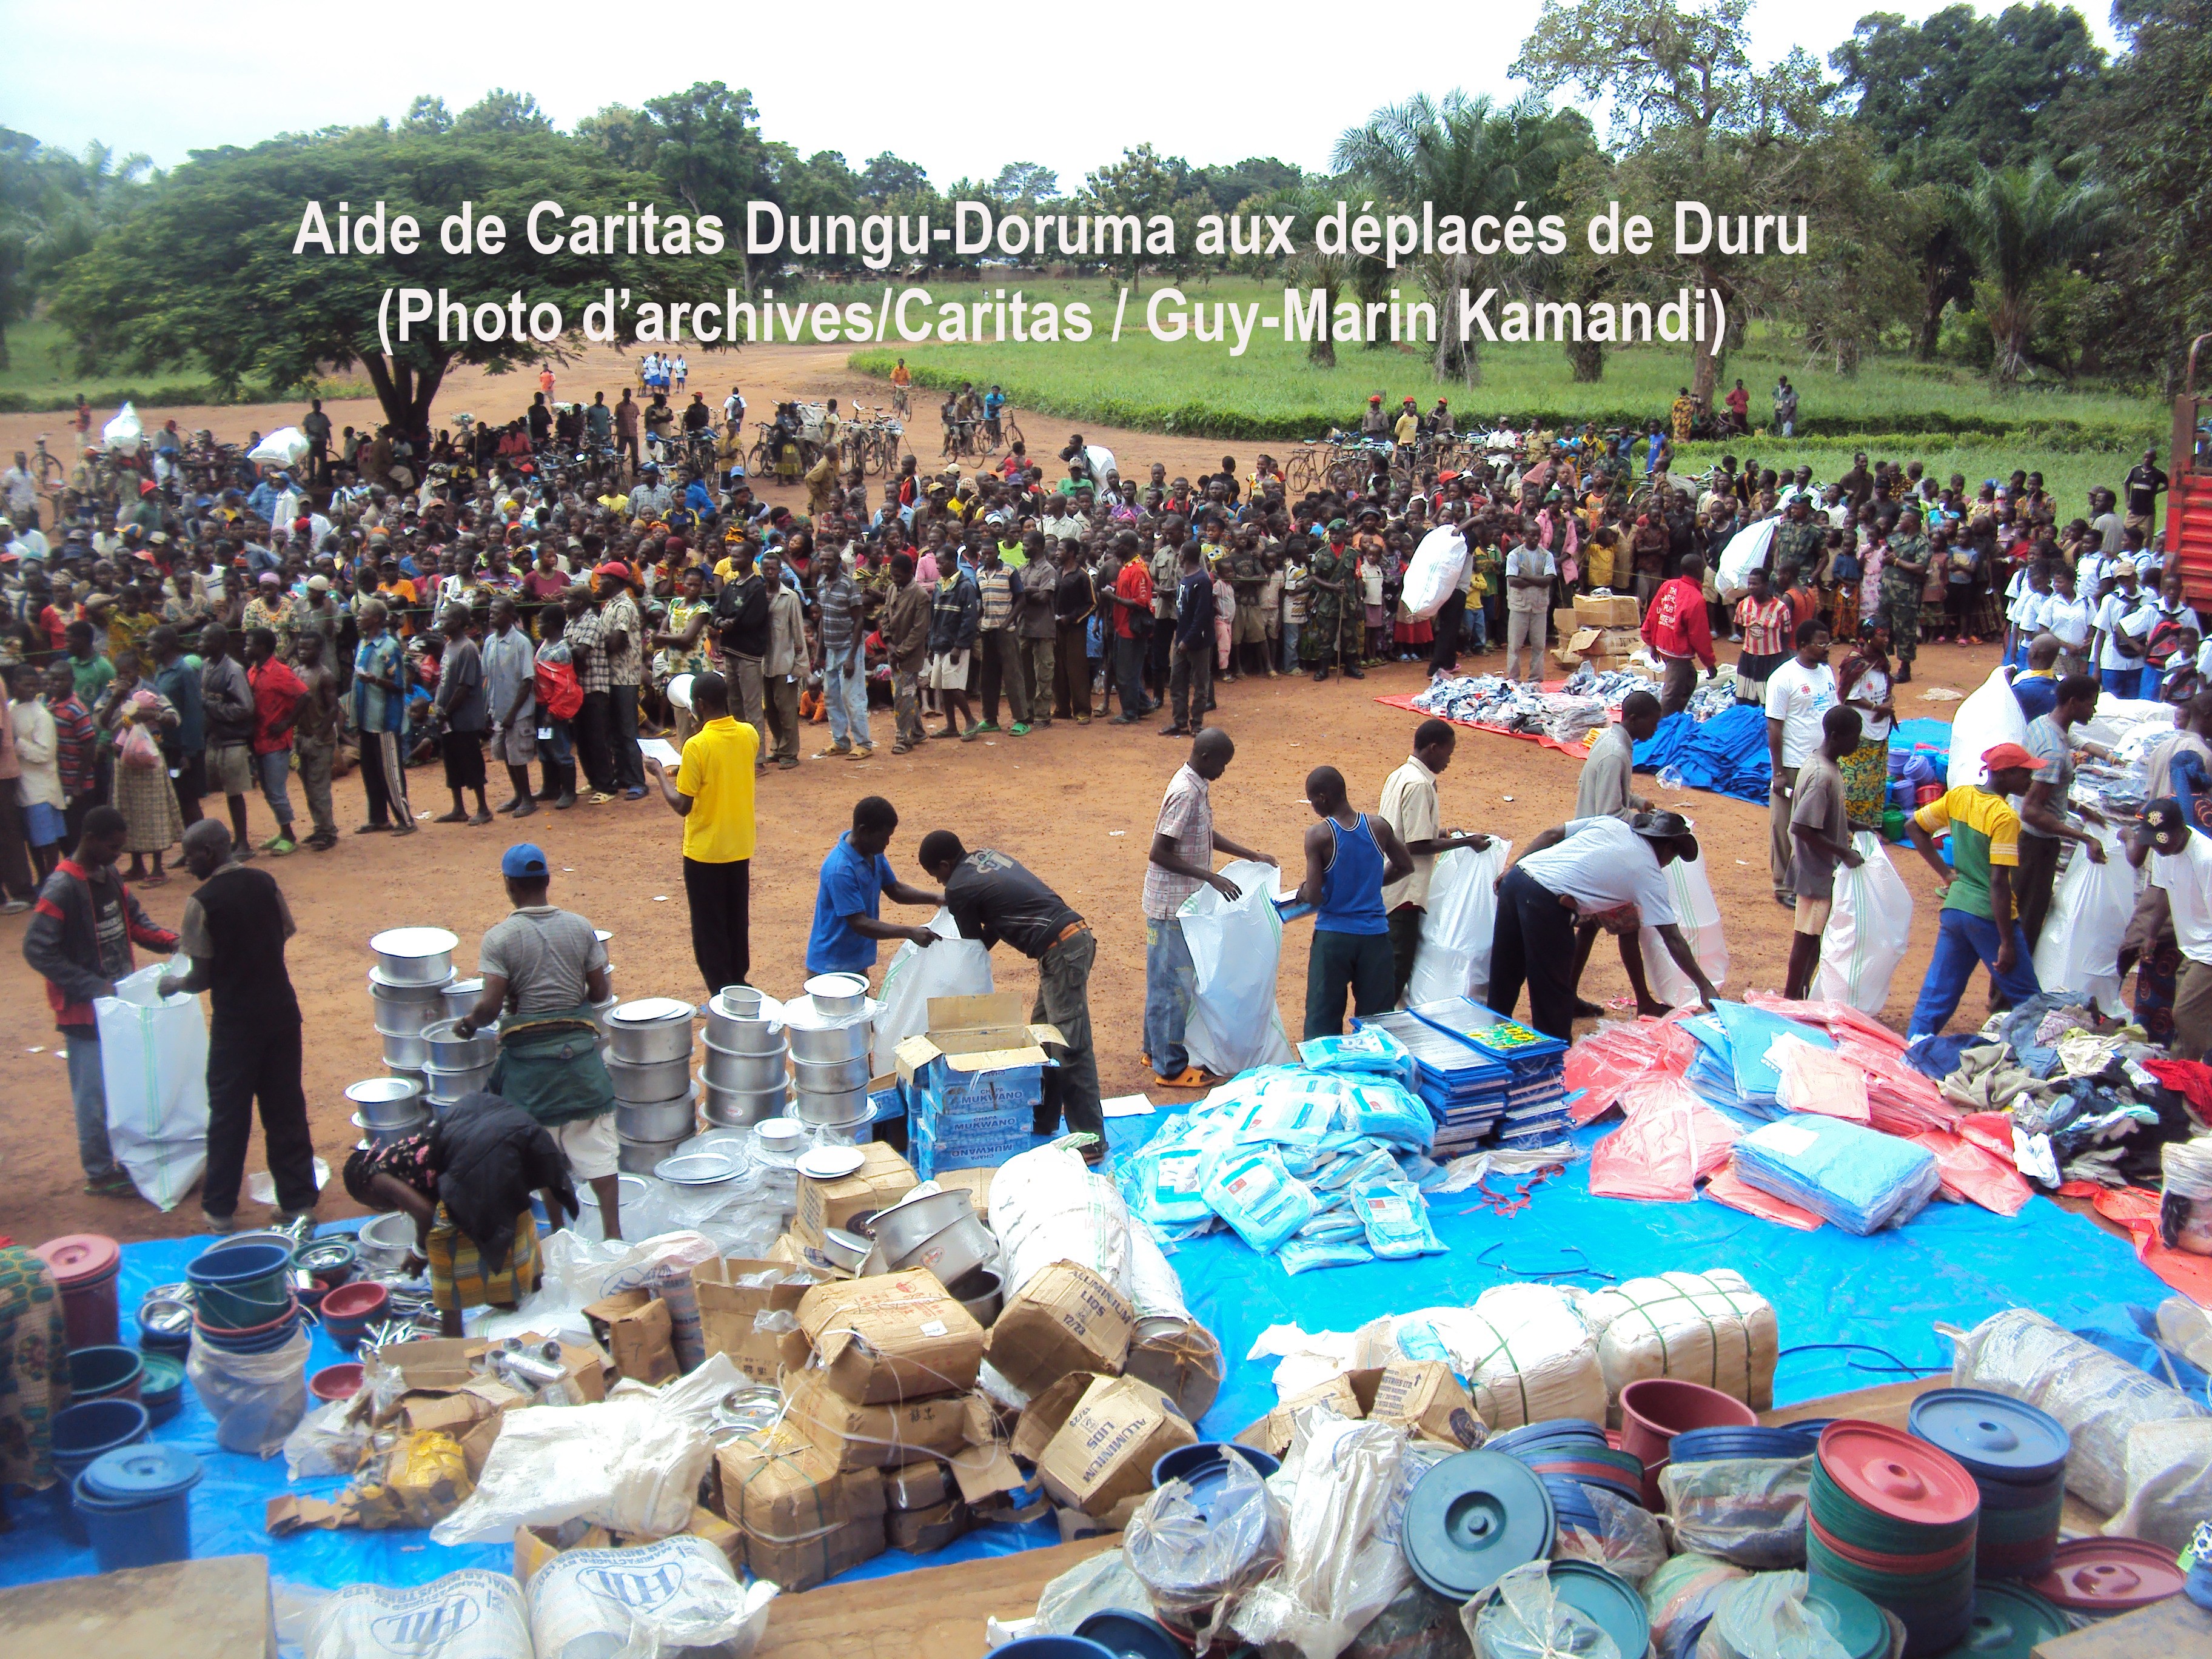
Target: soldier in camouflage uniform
{"type": "Point", "coordinates": [1335, 591]}
{"type": "Point", "coordinates": [1798, 541]}
{"type": "Point", "coordinates": [1903, 578]}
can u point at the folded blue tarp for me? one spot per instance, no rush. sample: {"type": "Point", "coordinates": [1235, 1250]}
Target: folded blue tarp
{"type": "Point", "coordinates": [1726, 755]}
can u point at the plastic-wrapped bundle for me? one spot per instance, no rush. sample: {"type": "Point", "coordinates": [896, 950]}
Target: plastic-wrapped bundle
{"type": "Point", "coordinates": [1709, 1327]}
{"type": "Point", "coordinates": [1681, 1597]}
{"type": "Point", "coordinates": [1195, 1549]}
{"type": "Point", "coordinates": [1765, 1617]}
{"type": "Point", "coordinates": [1748, 1510]}
{"type": "Point", "coordinates": [1047, 1205]}
{"type": "Point", "coordinates": [1858, 1178]}
{"type": "Point", "coordinates": [2099, 1400]}
{"type": "Point", "coordinates": [1524, 1618]}
{"type": "Point", "coordinates": [2169, 1471]}
{"type": "Point", "coordinates": [1817, 1080]}
{"type": "Point", "coordinates": [2184, 1215]}
{"type": "Point", "coordinates": [1524, 1350]}
{"type": "Point", "coordinates": [1628, 1540]}
{"type": "Point", "coordinates": [1668, 1139]}
{"type": "Point", "coordinates": [1603, 1063]}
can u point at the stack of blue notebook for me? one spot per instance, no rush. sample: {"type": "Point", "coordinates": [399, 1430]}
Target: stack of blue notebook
{"type": "Point", "coordinates": [1465, 1088]}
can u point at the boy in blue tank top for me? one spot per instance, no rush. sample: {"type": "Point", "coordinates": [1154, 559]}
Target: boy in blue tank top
{"type": "Point", "coordinates": [1349, 858]}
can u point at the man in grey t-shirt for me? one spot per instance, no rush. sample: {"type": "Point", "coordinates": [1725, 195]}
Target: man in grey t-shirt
{"type": "Point", "coordinates": [1820, 839]}
{"type": "Point", "coordinates": [2044, 827]}
{"type": "Point", "coordinates": [1603, 791]}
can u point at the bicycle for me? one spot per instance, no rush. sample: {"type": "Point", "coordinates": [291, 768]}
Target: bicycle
{"type": "Point", "coordinates": [901, 402]}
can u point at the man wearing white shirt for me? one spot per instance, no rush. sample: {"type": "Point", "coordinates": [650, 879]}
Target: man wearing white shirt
{"type": "Point", "coordinates": [2123, 626]}
{"type": "Point", "coordinates": [1798, 693]}
{"type": "Point", "coordinates": [2181, 867]}
{"type": "Point", "coordinates": [1528, 573]}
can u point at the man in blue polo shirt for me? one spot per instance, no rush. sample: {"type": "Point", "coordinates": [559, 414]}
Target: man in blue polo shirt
{"type": "Point", "coordinates": [855, 878]}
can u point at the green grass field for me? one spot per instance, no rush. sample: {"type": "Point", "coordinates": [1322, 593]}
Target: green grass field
{"type": "Point", "coordinates": [1271, 391]}
{"type": "Point", "coordinates": [41, 374]}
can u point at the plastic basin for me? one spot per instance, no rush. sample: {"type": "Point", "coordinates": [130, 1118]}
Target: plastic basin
{"type": "Point", "coordinates": [1654, 1409]}
{"type": "Point", "coordinates": [1054, 1647]}
{"type": "Point", "coordinates": [338, 1382]}
{"type": "Point", "coordinates": [162, 1388]}
{"type": "Point", "coordinates": [347, 1309]}
{"type": "Point", "coordinates": [107, 1372]}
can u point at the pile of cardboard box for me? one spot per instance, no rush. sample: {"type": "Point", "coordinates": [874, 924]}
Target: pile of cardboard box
{"type": "Point", "coordinates": [1600, 629]}
{"type": "Point", "coordinates": [973, 1082]}
{"type": "Point", "coordinates": [1421, 1396]}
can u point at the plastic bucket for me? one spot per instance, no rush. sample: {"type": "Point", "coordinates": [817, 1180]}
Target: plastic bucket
{"type": "Point", "coordinates": [136, 1506]}
{"type": "Point", "coordinates": [84, 1267]}
{"type": "Point", "coordinates": [347, 1309]}
{"type": "Point", "coordinates": [1654, 1409]}
{"type": "Point", "coordinates": [162, 1388]}
{"type": "Point", "coordinates": [1054, 1647]}
{"type": "Point", "coordinates": [107, 1372]}
{"type": "Point", "coordinates": [88, 1431]}
{"type": "Point", "coordinates": [1186, 1462]}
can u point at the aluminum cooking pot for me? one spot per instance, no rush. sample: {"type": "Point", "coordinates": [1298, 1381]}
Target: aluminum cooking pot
{"type": "Point", "coordinates": [452, 1052]}
{"type": "Point", "coordinates": [742, 1021]}
{"type": "Point", "coordinates": [663, 1119]}
{"type": "Point", "coordinates": [952, 1253]}
{"type": "Point", "coordinates": [659, 1079]}
{"type": "Point", "coordinates": [838, 996]}
{"type": "Point", "coordinates": [387, 1103]}
{"type": "Point", "coordinates": [981, 1292]}
{"type": "Point", "coordinates": [642, 1157]}
{"type": "Point", "coordinates": [449, 1087]}
{"type": "Point", "coordinates": [385, 1242]}
{"type": "Point", "coordinates": [907, 1226]}
{"type": "Point", "coordinates": [415, 955]}
{"type": "Point", "coordinates": [404, 1053]}
{"type": "Point", "coordinates": [831, 1111]}
{"type": "Point", "coordinates": [739, 1070]}
{"type": "Point", "coordinates": [460, 995]}
{"type": "Point", "coordinates": [824, 1044]}
{"type": "Point", "coordinates": [605, 1007]}
{"type": "Point", "coordinates": [651, 1029]}
{"type": "Point", "coordinates": [406, 1016]}
{"type": "Point", "coordinates": [736, 1109]}
{"type": "Point", "coordinates": [844, 1249]}
{"type": "Point", "coordinates": [832, 1076]}
{"type": "Point", "coordinates": [379, 1135]}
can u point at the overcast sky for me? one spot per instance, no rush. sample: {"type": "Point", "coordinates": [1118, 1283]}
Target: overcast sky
{"type": "Point", "coordinates": [858, 77]}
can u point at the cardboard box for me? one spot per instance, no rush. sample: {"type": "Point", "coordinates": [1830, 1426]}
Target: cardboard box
{"type": "Point", "coordinates": [1105, 1451]}
{"type": "Point", "coordinates": [1065, 1319]}
{"type": "Point", "coordinates": [917, 1486]}
{"type": "Point", "coordinates": [1565, 621]}
{"type": "Point", "coordinates": [803, 1520]}
{"type": "Point", "coordinates": [854, 1437]}
{"type": "Point", "coordinates": [893, 1337]}
{"type": "Point", "coordinates": [975, 1183]}
{"type": "Point", "coordinates": [635, 1327]}
{"type": "Point", "coordinates": [535, 1545]}
{"type": "Point", "coordinates": [1423, 1397]}
{"type": "Point", "coordinates": [1605, 610]}
{"type": "Point", "coordinates": [428, 1362]}
{"type": "Point", "coordinates": [969, 1080]}
{"type": "Point", "coordinates": [585, 1363]}
{"type": "Point", "coordinates": [1349, 1394]}
{"type": "Point", "coordinates": [881, 1179]}
{"type": "Point", "coordinates": [812, 1561]}
{"type": "Point", "coordinates": [920, 1531]}
{"type": "Point", "coordinates": [728, 1309]}
{"type": "Point", "coordinates": [1180, 1357]}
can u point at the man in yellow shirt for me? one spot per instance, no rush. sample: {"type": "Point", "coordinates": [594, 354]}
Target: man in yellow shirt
{"type": "Point", "coordinates": [713, 794]}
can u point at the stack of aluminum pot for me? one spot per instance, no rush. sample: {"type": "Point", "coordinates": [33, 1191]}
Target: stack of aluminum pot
{"type": "Point", "coordinates": [747, 1051]}
{"type": "Point", "coordinates": [831, 1031]}
{"type": "Point", "coordinates": [649, 1057]}
{"type": "Point", "coordinates": [408, 988]}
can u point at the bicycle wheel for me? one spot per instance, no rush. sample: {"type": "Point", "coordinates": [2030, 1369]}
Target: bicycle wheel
{"type": "Point", "coordinates": [759, 458]}
{"type": "Point", "coordinates": [1014, 430]}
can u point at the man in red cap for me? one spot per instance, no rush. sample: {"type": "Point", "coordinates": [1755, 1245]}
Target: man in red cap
{"type": "Point", "coordinates": [1977, 922]}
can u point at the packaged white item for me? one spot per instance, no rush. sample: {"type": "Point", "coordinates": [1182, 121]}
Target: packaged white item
{"type": "Point", "coordinates": [1047, 1205]}
{"type": "Point", "coordinates": [1524, 1350]}
{"type": "Point", "coordinates": [1867, 930]}
{"type": "Point", "coordinates": [1990, 716]}
{"type": "Point", "coordinates": [474, 1614]}
{"type": "Point", "coordinates": [1629, 1543]}
{"type": "Point", "coordinates": [1251, 1190]}
{"type": "Point", "coordinates": [2185, 1217]}
{"type": "Point", "coordinates": [676, 1597]}
{"type": "Point", "coordinates": [256, 1400]}
{"type": "Point", "coordinates": [953, 967]}
{"type": "Point", "coordinates": [621, 1464]}
{"type": "Point", "coordinates": [2078, 953]}
{"type": "Point", "coordinates": [1711, 1328]}
{"type": "Point", "coordinates": [1235, 948]}
{"type": "Point", "coordinates": [152, 1065]}
{"type": "Point", "coordinates": [286, 447]}
{"type": "Point", "coordinates": [1453, 959]}
{"type": "Point", "coordinates": [125, 434]}
{"type": "Point", "coordinates": [1436, 571]}
{"type": "Point", "coordinates": [2098, 1399]}
{"type": "Point", "coordinates": [1699, 918]}
{"type": "Point", "coordinates": [2169, 1473]}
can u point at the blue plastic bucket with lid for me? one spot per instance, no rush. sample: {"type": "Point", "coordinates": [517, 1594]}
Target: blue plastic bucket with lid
{"type": "Point", "coordinates": [136, 1505]}
{"type": "Point", "coordinates": [1054, 1646]}
{"type": "Point", "coordinates": [86, 1431]}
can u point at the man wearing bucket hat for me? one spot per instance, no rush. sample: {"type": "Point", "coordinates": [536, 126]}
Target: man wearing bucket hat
{"type": "Point", "coordinates": [543, 969]}
{"type": "Point", "coordinates": [1600, 870]}
{"type": "Point", "coordinates": [1977, 922]}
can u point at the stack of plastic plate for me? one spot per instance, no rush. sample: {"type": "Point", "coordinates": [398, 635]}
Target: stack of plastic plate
{"type": "Point", "coordinates": [1571, 1505]}
{"type": "Point", "coordinates": [2010, 1621]}
{"type": "Point", "coordinates": [2100, 1577]}
{"type": "Point", "coordinates": [1894, 1517]}
{"type": "Point", "coordinates": [2017, 1456]}
{"type": "Point", "coordinates": [1603, 1599]}
{"type": "Point", "coordinates": [1715, 1445]}
{"type": "Point", "coordinates": [1570, 1449]}
{"type": "Point", "coordinates": [1742, 1624]}
{"type": "Point", "coordinates": [1472, 1519]}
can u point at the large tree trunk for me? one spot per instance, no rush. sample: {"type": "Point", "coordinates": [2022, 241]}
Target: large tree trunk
{"type": "Point", "coordinates": [5, 362]}
{"type": "Point", "coordinates": [406, 394]}
{"type": "Point", "coordinates": [1321, 350]}
{"type": "Point", "coordinates": [1708, 356]}
{"type": "Point", "coordinates": [1455, 358]}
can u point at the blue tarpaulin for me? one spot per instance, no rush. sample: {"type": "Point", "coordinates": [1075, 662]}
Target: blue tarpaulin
{"type": "Point", "coordinates": [1954, 1263]}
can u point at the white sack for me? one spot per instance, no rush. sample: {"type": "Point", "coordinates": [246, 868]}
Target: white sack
{"type": "Point", "coordinates": [953, 967]}
{"type": "Point", "coordinates": [621, 1464]}
{"type": "Point", "coordinates": [1454, 958]}
{"type": "Point", "coordinates": [1746, 552]}
{"type": "Point", "coordinates": [1437, 570]}
{"type": "Point", "coordinates": [1991, 715]}
{"type": "Point", "coordinates": [1711, 1328]}
{"type": "Point", "coordinates": [124, 435]}
{"type": "Point", "coordinates": [1235, 948]}
{"type": "Point", "coordinates": [1342, 1562]}
{"type": "Point", "coordinates": [678, 1596]}
{"type": "Point", "coordinates": [2169, 1472]}
{"type": "Point", "coordinates": [286, 447]}
{"type": "Point", "coordinates": [1047, 1205]}
{"type": "Point", "coordinates": [1699, 918]}
{"type": "Point", "coordinates": [1867, 931]}
{"type": "Point", "coordinates": [153, 1063]}
{"type": "Point", "coordinates": [473, 1614]}
{"type": "Point", "coordinates": [2079, 951]}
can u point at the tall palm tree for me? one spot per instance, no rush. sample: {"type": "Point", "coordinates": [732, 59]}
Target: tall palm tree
{"type": "Point", "coordinates": [1469, 156]}
{"type": "Point", "coordinates": [2019, 225]}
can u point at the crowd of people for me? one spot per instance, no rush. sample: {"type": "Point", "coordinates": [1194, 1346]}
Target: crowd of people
{"type": "Point", "coordinates": [173, 632]}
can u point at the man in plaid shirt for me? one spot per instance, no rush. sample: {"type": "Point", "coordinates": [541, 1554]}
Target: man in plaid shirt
{"type": "Point", "coordinates": [594, 720]}
{"type": "Point", "coordinates": [622, 636]}
{"type": "Point", "coordinates": [76, 749]}
{"type": "Point", "coordinates": [840, 611]}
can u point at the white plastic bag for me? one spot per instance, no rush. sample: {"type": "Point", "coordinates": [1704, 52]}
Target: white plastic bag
{"type": "Point", "coordinates": [256, 1400]}
{"type": "Point", "coordinates": [1235, 948]}
{"type": "Point", "coordinates": [1867, 930]}
{"type": "Point", "coordinates": [153, 1061]}
{"type": "Point", "coordinates": [1342, 1562]}
{"type": "Point", "coordinates": [1047, 1205]}
{"type": "Point", "coordinates": [1454, 958]}
{"type": "Point", "coordinates": [1746, 552]}
{"type": "Point", "coordinates": [473, 1614]}
{"type": "Point", "coordinates": [286, 447]}
{"type": "Point", "coordinates": [621, 1464]}
{"type": "Point", "coordinates": [2169, 1467]}
{"type": "Point", "coordinates": [1439, 569]}
{"type": "Point", "coordinates": [1990, 716]}
{"type": "Point", "coordinates": [578, 1272]}
{"type": "Point", "coordinates": [2078, 953]}
{"type": "Point", "coordinates": [124, 435]}
{"type": "Point", "coordinates": [677, 1596]}
{"type": "Point", "coordinates": [1699, 918]}
{"type": "Point", "coordinates": [953, 967]}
